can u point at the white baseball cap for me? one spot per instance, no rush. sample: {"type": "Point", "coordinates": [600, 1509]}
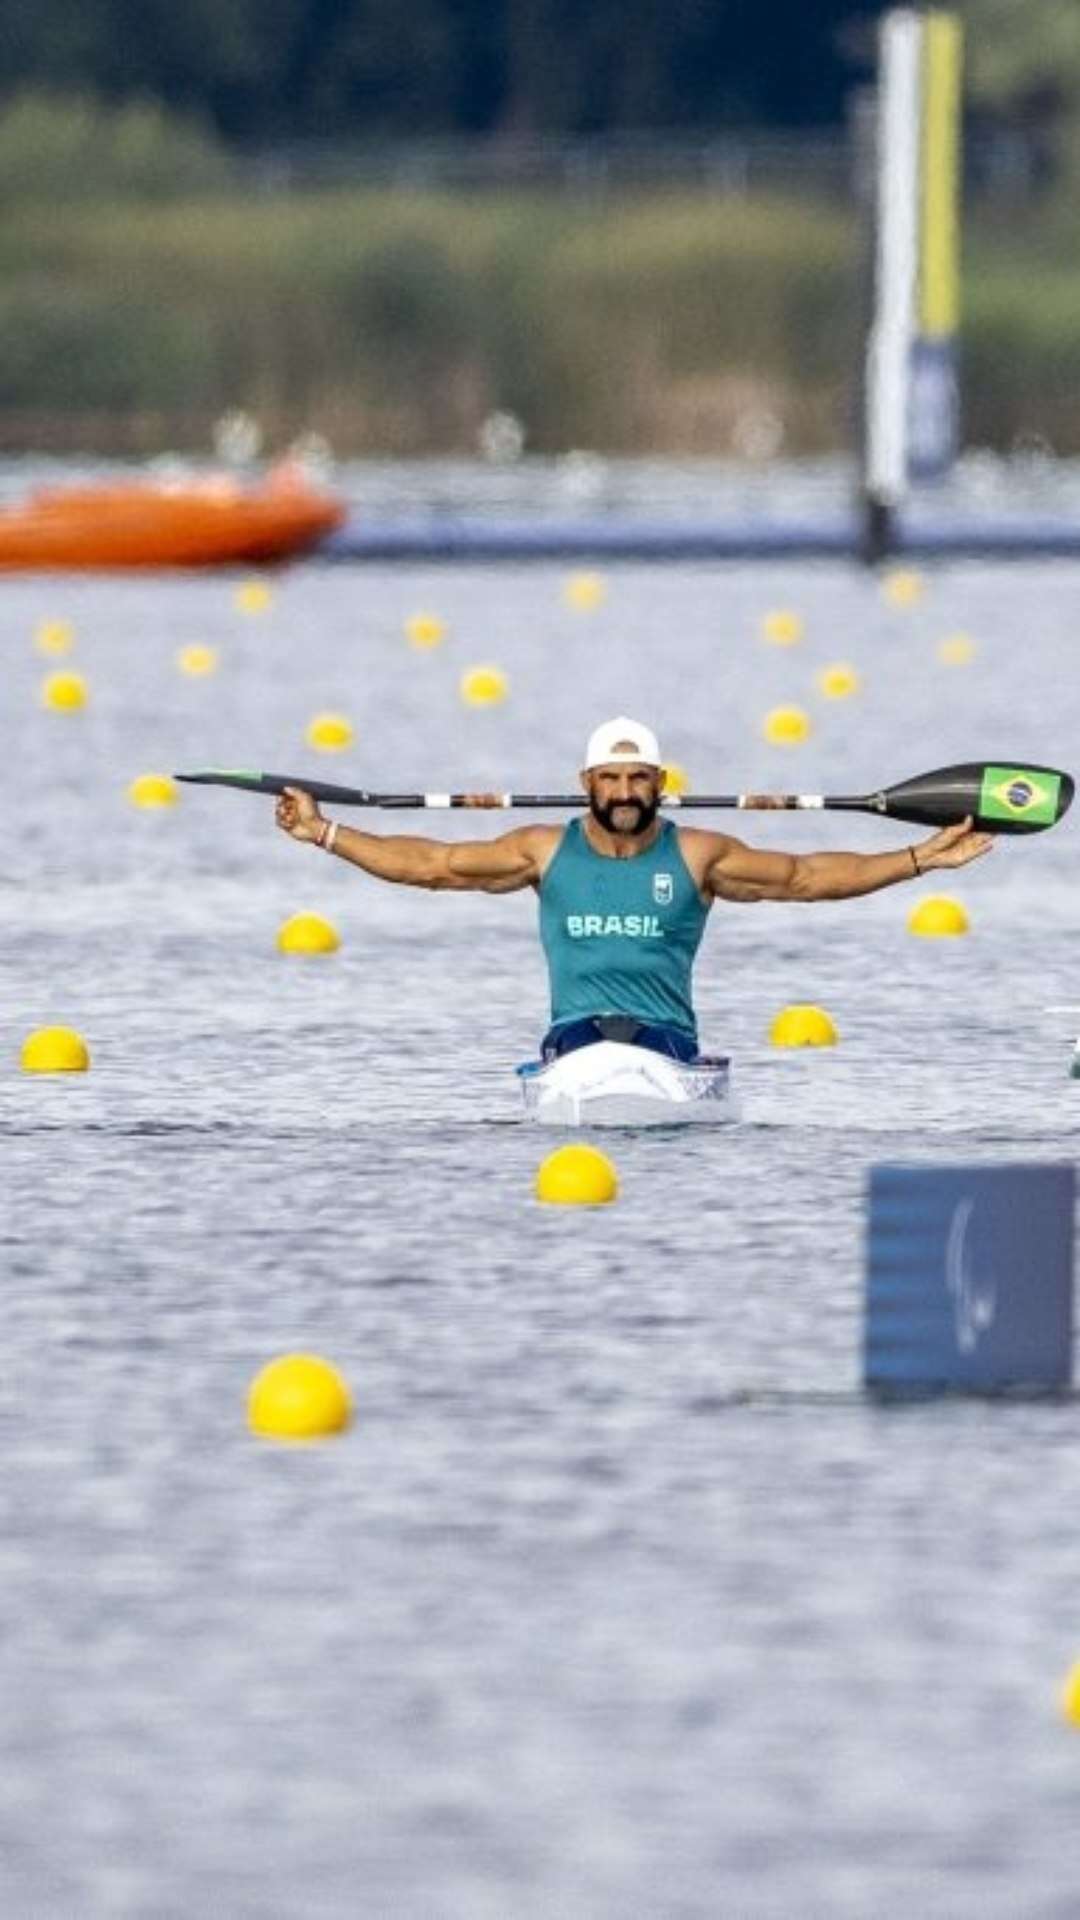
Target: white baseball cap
{"type": "Point", "coordinates": [622, 741]}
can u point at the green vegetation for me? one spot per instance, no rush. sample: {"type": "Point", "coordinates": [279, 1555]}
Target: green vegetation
{"type": "Point", "coordinates": [1021, 344]}
{"type": "Point", "coordinates": [1023, 67]}
{"type": "Point", "coordinates": [145, 293]}
{"type": "Point", "coordinates": [397, 322]}
{"type": "Point", "coordinates": [72, 148]}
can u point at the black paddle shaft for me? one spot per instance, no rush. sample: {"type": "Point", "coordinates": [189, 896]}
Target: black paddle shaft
{"type": "Point", "coordinates": [997, 796]}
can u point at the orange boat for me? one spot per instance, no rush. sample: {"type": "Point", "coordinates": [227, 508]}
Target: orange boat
{"type": "Point", "coordinates": [217, 522]}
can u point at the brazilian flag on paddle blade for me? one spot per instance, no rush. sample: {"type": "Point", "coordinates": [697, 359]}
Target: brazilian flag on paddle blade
{"type": "Point", "coordinates": [1020, 795]}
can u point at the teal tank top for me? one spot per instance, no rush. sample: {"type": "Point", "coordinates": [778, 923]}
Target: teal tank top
{"type": "Point", "coordinates": [620, 936]}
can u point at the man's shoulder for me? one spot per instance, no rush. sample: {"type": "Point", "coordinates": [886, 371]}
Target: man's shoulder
{"type": "Point", "coordinates": [699, 836]}
{"type": "Point", "coordinates": [699, 847]}
{"type": "Point", "coordinates": [540, 834]}
{"type": "Point", "coordinates": [541, 839]}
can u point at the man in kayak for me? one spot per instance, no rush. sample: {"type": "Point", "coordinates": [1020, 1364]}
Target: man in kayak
{"type": "Point", "coordinates": [624, 893]}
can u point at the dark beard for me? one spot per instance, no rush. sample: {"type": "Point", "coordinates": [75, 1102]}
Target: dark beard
{"type": "Point", "coordinates": [605, 816]}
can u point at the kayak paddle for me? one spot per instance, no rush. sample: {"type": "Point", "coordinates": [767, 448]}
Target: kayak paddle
{"type": "Point", "coordinates": [999, 796]}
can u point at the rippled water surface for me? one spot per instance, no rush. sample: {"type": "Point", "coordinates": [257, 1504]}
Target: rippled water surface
{"type": "Point", "coordinates": [617, 1600]}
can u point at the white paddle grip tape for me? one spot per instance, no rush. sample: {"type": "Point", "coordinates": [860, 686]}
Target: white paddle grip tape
{"type": "Point", "coordinates": [751, 801]}
{"type": "Point", "coordinates": [436, 799]}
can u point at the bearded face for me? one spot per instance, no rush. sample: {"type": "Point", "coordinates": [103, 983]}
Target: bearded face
{"type": "Point", "coordinates": [624, 800]}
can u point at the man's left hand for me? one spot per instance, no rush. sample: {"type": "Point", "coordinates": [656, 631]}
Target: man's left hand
{"type": "Point", "coordinates": [953, 847]}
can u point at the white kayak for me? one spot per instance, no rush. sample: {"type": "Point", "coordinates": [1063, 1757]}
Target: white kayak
{"type": "Point", "coordinates": [610, 1084]}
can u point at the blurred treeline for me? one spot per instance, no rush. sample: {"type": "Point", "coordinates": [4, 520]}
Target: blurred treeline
{"type": "Point", "coordinates": [276, 70]}
{"type": "Point", "coordinates": [140, 296]}
{"type": "Point", "coordinates": [146, 286]}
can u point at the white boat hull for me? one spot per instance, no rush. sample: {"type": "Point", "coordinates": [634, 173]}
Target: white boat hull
{"type": "Point", "coordinates": [613, 1085]}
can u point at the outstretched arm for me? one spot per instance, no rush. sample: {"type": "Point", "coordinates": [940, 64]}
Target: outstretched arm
{"type": "Point", "coordinates": [739, 872]}
{"type": "Point", "coordinates": [504, 865]}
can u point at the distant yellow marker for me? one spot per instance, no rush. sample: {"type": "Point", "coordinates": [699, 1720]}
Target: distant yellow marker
{"type": "Point", "coordinates": [585, 591]}
{"type": "Point", "coordinates": [483, 686]}
{"type": "Point", "coordinates": [55, 1050]}
{"type": "Point", "coordinates": [676, 779]}
{"type": "Point", "coordinates": [803, 1026]}
{"type": "Point", "coordinates": [786, 726]}
{"type": "Point", "coordinates": [298, 1396]}
{"type": "Point", "coordinates": [197, 659]}
{"type": "Point", "coordinates": [54, 637]}
{"type": "Point", "coordinates": [938, 917]}
{"type": "Point", "coordinates": [253, 596]}
{"type": "Point", "coordinates": [957, 650]}
{"type": "Point", "coordinates": [782, 628]}
{"type": "Point", "coordinates": [64, 692]}
{"type": "Point", "coordinates": [424, 631]}
{"type": "Point", "coordinates": [153, 790]}
{"type": "Point", "coordinates": [330, 732]}
{"type": "Point", "coordinates": [839, 681]}
{"type": "Point", "coordinates": [308, 933]}
{"type": "Point", "coordinates": [903, 587]}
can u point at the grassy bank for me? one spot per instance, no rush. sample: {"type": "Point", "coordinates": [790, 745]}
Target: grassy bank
{"type": "Point", "coordinates": [1021, 346]}
{"type": "Point", "coordinates": [395, 322]}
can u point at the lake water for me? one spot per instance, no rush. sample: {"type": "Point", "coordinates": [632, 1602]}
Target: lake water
{"type": "Point", "coordinates": [617, 1601]}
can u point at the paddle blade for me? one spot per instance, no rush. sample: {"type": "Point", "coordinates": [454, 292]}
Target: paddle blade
{"type": "Point", "coordinates": [251, 782]}
{"type": "Point", "coordinates": [230, 777]}
{"type": "Point", "coordinates": [1000, 797]}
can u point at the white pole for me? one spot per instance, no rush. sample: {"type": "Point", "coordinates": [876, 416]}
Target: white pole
{"type": "Point", "coordinates": [896, 265]}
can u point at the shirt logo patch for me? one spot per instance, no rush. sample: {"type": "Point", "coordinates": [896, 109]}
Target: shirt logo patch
{"type": "Point", "coordinates": [663, 889]}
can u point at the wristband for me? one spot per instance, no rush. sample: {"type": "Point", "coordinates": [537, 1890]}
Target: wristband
{"type": "Point", "coordinates": [327, 841]}
{"type": "Point", "coordinates": [915, 862]}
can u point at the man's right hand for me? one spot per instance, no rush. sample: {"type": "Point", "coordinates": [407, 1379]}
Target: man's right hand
{"type": "Point", "coordinates": [297, 815]}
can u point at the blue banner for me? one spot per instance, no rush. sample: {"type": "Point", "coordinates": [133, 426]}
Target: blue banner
{"type": "Point", "coordinates": [970, 1279]}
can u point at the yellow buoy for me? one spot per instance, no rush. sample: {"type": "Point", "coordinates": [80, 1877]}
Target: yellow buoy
{"type": "Point", "coordinates": [577, 1176]}
{"type": "Point", "coordinates": [153, 790]}
{"type": "Point", "coordinates": [782, 628]}
{"type": "Point", "coordinates": [937, 917]}
{"type": "Point", "coordinates": [957, 650]}
{"type": "Point", "coordinates": [55, 1050]}
{"type": "Point", "coordinates": [484, 686]}
{"type": "Point", "coordinates": [64, 692]}
{"type": "Point", "coordinates": [803, 1026]}
{"type": "Point", "coordinates": [424, 630]}
{"type": "Point", "coordinates": [785, 726]}
{"type": "Point", "coordinates": [585, 591]}
{"type": "Point", "coordinates": [330, 732]}
{"type": "Point", "coordinates": [197, 659]}
{"type": "Point", "coordinates": [54, 637]}
{"type": "Point", "coordinates": [676, 779]}
{"type": "Point", "coordinates": [839, 681]}
{"type": "Point", "coordinates": [253, 596]}
{"type": "Point", "coordinates": [902, 587]}
{"type": "Point", "coordinates": [1070, 1696]}
{"type": "Point", "coordinates": [298, 1396]}
{"type": "Point", "coordinates": [308, 933]}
